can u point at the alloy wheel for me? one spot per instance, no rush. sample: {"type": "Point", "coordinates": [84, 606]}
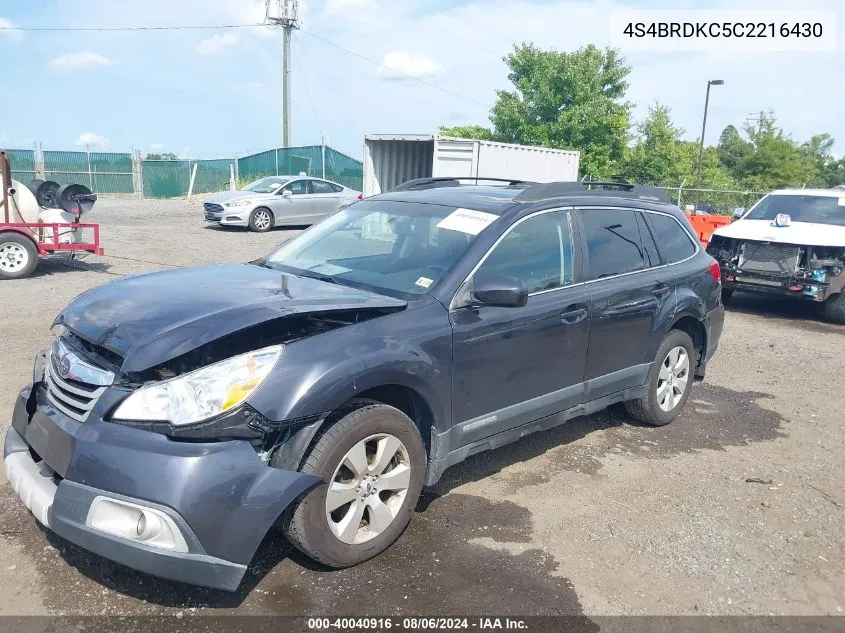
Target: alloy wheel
{"type": "Point", "coordinates": [368, 488]}
{"type": "Point", "coordinates": [672, 379]}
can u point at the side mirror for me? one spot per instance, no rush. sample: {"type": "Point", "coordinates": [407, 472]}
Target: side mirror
{"type": "Point", "coordinates": [739, 212]}
{"type": "Point", "coordinates": [287, 193]}
{"type": "Point", "coordinates": [500, 290]}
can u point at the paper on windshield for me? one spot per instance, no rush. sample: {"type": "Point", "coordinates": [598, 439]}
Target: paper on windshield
{"type": "Point", "coordinates": [842, 202]}
{"type": "Point", "coordinates": [467, 221]}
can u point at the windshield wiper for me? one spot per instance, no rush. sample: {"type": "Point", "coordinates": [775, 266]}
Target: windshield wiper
{"type": "Point", "coordinates": [320, 276]}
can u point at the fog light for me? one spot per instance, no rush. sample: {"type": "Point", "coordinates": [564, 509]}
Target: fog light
{"type": "Point", "coordinates": [136, 523]}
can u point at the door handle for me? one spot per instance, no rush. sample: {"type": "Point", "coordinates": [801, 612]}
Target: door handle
{"type": "Point", "coordinates": [573, 314]}
{"type": "Point", "coordinates": [660, 290]}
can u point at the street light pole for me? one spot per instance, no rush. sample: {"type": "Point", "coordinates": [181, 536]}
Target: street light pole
{"type": "Point", "coordinates": [712, 82]}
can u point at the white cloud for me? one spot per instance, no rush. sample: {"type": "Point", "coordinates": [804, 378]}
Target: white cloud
{"type": "Point", "coordinates": [217, 43]}
{"type": "Point", "coordinates": [399, 64]}
{"type": "Point", "coordinates": [92, 139]}
{"type": "Point", "coordinates": [15, 36]}
{"type": "Point", "coordinates": [83, 60]}
{"type": "Point", "coordinates": [157, 146]}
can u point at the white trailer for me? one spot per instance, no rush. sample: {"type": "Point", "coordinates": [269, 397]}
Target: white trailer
{"type": "Point", "coordinates": [391, 159]}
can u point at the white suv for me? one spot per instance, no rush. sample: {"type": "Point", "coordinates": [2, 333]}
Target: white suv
{"type": "Point", "coordinates": [791, 243]}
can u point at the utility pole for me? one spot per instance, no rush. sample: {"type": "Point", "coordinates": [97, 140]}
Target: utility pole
{"type": "Point", "coordinates": [285, 13]}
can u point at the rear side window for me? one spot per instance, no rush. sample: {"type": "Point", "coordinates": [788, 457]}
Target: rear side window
{"type": "Point", "coordinates": [318, 186]}
{"type": "Point", "coordinates": [674, 242]}
{"type": "Point", "coordinates": [647, 238]}
{"type": "Point", "coordinates": [613, 242]}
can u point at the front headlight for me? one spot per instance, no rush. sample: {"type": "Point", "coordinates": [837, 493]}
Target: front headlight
{"type": "Point", "coordinates": [202, 393]}
{"type": "Point", "coordinates": [238, 203]}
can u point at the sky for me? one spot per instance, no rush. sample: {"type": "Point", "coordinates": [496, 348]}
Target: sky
{"type": "Point", "coordinates": [359, 66]}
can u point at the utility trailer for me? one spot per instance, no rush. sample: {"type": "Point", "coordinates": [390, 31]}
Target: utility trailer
{"type": "Point", "coordinates": [41, 219]}
{"type": "Point", "coordinates": [392, 159]}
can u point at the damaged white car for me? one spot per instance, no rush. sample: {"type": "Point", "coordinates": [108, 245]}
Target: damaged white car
{"type": "Point", "coordinates": [791, 243]}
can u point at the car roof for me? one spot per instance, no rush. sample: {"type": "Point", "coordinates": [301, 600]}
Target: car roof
{"type": "Point", "coordinates": [478, 197]}
{"type": "Point", "coordinates": [825, 193]}
{"type": "Point", "coordinates": [498, 199]}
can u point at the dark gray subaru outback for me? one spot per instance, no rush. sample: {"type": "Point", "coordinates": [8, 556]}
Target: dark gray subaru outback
{"type": "Point", "coordinates": [179, 415]}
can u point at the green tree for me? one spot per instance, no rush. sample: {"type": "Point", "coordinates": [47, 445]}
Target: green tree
{"type": "Point", "coordinates": [654, 159]}
{"type": "Point", "coordinates": [775, 160]}
{"type": "Point", "coordinates": [478, 132]}
{"type": "Point", "coordinates": [829, 172]}
{"type": "Point", "coordinates": [732, 148]}
{"type": "Point", "coordinates": [165, 156]}
{"type": "Point", "coordinates": [568, 101]}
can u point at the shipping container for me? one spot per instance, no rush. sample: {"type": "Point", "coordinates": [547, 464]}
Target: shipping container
{"type": "Point", "coordinates": [391, 159]}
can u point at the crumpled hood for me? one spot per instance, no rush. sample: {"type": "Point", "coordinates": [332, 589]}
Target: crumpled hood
{"type": "Point", "coordinates": [801, 233]}
{"type": "Point", "coordinates": [152, 318]}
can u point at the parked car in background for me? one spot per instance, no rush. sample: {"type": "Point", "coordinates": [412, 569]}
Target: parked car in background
{"type": "Point", "coordinates": [180, 414]}
{"type": "Point", "coordinates": [278, 201]}
{"type": "Point", "coordinates": [791, 243]}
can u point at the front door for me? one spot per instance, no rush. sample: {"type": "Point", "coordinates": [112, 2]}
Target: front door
{"type": "Point", "coordinates": [515, 365]}
{"type": "Point", "coordinates": [626, 294]}
{"type": "Point", "coordinates": [297, 207]}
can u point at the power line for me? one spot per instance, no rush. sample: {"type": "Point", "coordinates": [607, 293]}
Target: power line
{"type": "Point", "coordinates": [308, 94]}
{"type": "Point", "coordinates": [129, 28]}
{"type": "Point", "coordinates": [397, 71]}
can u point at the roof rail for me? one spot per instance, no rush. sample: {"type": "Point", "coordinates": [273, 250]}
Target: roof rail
{"type": "Point", "coordinates": [593, 188]}
{"type": "Point", "coordinates": [453, 181]}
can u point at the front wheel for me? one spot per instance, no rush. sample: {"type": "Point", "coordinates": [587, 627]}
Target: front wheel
{"type": "Point", "coordinates": [261, 220]}
{"type": "Point", "coordinates": [373, 462]}
{"type": "Point", "coordinates": [669, 381]}
{"type": "Point", "coordinates": [834, 308]}
{"type": "Point", "coordinates": [18, 256]}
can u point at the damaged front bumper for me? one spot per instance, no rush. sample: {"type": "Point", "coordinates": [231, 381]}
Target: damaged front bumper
{"type": "Point", "coordinates": [784, 284]}
{"type": "Point", "coordinates": [194, 512]}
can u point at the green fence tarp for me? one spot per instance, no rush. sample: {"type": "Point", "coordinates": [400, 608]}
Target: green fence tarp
{"type": "Point", "coordinates": [165, 178]}
{"type": "Point", "coordinates": [102, 172]}
{"type": "Point", "coordinates": [22, 162]}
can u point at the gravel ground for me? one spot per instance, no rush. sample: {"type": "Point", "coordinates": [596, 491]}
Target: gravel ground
{"type": "Point", "coordinates": [599, 517]}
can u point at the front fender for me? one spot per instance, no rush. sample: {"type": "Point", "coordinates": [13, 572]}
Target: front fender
{"type": "Point", "coordinates": [316, 375]}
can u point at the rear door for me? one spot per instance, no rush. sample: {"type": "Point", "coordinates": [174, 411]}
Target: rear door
{"type": "Point", "coordinates": [326, 197]}
{"type": "Point", "coordinates": [628, 289]}
{"type": "Point", "coordinates": [515, 365]}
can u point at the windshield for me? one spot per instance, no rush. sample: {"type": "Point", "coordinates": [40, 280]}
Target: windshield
{"type": "Point", "coordinates": [393, 247]}
{"type": "Point", "coordinates": [817, 209]}
{"type": "Point", "coordinates": [266, 185]}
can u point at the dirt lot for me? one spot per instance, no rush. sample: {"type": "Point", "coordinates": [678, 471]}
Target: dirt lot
{"type": "Point", "coordinates": [598, 517]}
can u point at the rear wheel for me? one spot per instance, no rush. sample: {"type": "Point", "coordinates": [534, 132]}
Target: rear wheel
{"type": "Point", "coordinates": [834, 308]}
{"type": "Point", "coordinates": [18, 256]}
{"type": "Point", "coordinates": [669, 381]}
{"type": "Point", "coordinates": [373, 461]}
{"type": "Point", "coordinates": [261, 220]}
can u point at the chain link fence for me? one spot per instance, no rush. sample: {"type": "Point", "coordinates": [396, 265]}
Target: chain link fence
{"type": "Point", "coordinates": [128, 174]}
{"type": "Point", "coordinates": [713, 201]}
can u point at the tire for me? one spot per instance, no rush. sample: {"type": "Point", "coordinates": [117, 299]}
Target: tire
{"type": "Point", "coordinates": [651, 409]}
{"type": "Point", "coordinates": [261, 220]}
{"type": "Point", "coordinates": [320, 534]}
{"type": "Point", "coordinates": [834, 309]}
{"type": "Point", "coordinates": [727, 295]}
{"type": "Point", "coordinates": [18, 256]}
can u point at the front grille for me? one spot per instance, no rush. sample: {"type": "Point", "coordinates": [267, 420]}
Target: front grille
{"type": "Point", "coordinates": [770, 258]}
{"type": "Point", "coordinates": [68, 390]}
{"type": "Point", "coordinates": [210, 207]}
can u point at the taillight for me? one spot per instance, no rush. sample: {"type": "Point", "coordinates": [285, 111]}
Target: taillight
{"type": "Point", "coordinates": [715, 270]}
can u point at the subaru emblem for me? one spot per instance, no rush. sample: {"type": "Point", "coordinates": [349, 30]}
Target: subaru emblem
{"type": "Point", "coordinates": [63, 365]}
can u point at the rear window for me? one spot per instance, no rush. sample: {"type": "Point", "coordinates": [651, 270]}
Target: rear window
{"type": "Point", "coordinates": [674, 242]}
{"type": "Point", "coordinates": [809, 208]}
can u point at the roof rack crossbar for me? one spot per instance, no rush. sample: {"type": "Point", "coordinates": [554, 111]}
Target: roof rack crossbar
{"type": "Point", "coordinates": [593, 188]}
{"type": "Point", "coordinates": [453, 181]}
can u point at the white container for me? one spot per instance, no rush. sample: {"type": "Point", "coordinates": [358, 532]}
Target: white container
{"type": "Point", "coordinates": [391, 159]}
